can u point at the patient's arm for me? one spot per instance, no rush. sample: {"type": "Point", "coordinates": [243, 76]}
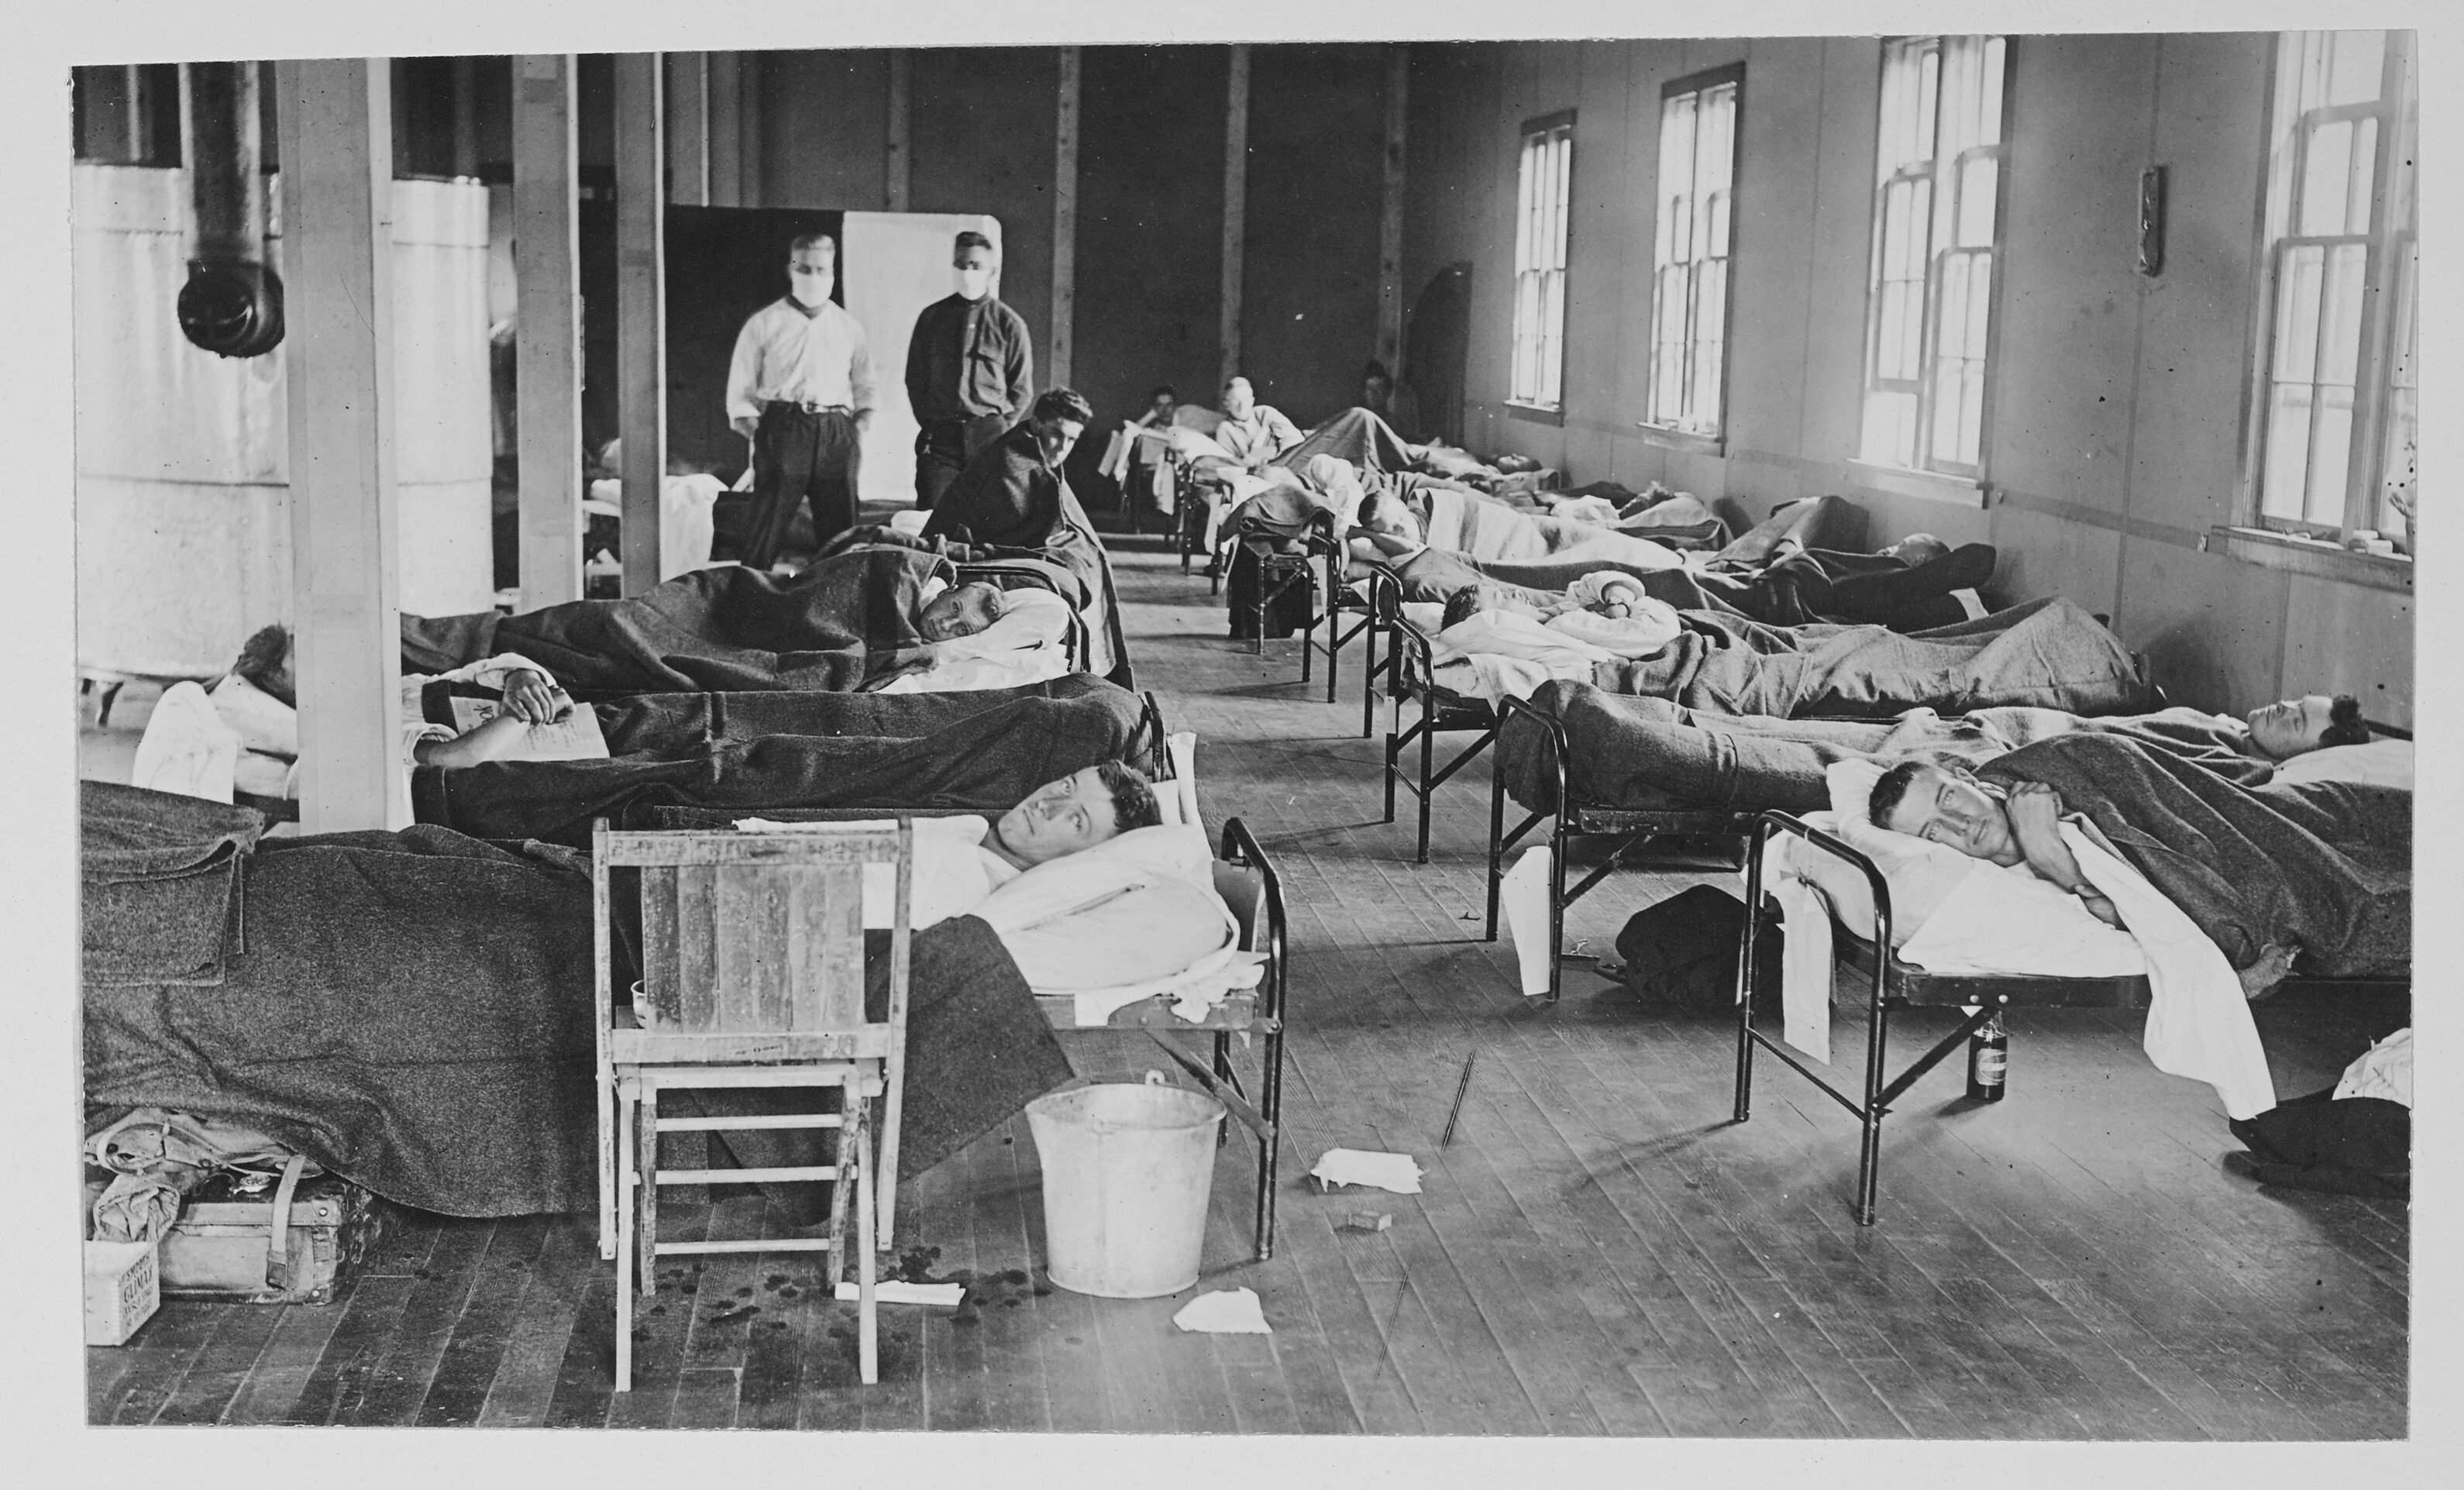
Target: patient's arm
{"type": "Point", "coordinates": [2037, 822]}
{"type": "Point", "coordinates": [495, 740]}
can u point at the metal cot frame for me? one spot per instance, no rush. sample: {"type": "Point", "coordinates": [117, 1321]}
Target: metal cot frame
{"type": "Point", "coordinates": [1635, 827]}
{"type": "Point", "coordinates": [1892, 985]}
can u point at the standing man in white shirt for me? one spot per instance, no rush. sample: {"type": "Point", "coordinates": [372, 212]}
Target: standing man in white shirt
{"type": "Point", "coordinates": [800, 389]}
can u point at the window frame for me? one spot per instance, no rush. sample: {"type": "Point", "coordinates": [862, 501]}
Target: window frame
{"type": "Point", "coordinates": [1715, 436]}
{"type": "Point", "coordinates": [1518, 402]}
{"type": "Point", "coordinates": [1940, 177]}
{"type": "Point", "coordinates": [2387, 295]}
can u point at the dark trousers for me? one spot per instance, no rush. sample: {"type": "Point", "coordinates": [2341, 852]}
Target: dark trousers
{"type": "Point", "coordinates": [943, 447]}
{"type": "Point", "coordinates": [797, 455]}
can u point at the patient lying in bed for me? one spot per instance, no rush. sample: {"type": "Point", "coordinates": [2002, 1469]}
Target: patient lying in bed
{"type": "Point", "coordinates": [2312, 872]}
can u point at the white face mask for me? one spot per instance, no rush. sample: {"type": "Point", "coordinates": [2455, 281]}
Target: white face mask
{"type": "Point", "coordinates": [974, 284]}
{"type": "Point", "coordinates": [811, 290]}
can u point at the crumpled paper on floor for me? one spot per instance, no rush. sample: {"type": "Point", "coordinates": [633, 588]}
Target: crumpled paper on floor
{"type": "Point", "coordinates": [1230, 1312]}
{"type": "Point", "coordinates": [1395, 1172]}
{"type": "Point", "coordinates": [891, 1290]}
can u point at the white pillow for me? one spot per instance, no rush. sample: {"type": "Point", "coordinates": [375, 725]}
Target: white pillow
{"type": "Point", "coordinates": [1150, 933]}
{"type": "Point", "coordinates": [264, 722]}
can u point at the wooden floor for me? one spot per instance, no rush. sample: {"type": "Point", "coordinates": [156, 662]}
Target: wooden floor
{"type": "Point", "coordinates": [1600, 1251]}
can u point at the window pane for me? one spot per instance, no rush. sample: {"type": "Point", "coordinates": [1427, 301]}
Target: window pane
{"type": "Point", "coordinates": [1715, 232]}
{"type": "Point", "coordinates": [2331, 449]}
{"type": "Point", "coordinates": [2325, 178]}
{"type": "Point", "coordinates": [1977, 180]}
{"type": "Point", "coordinates": [2288, 450]}
{"type": "Point", "coordinates": [2357, 61]}
{"type": "Point", "coordinates": [2339, 317]}
{"type": "Point", "coordinates": [2297, 313]}
{"type": "Point", "coordinates": [1988, 118]}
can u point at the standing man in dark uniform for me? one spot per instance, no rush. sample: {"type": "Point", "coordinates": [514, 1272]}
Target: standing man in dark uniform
{"type": "Point", "coordinates": [970, 371]}
{"type": "Point", "coordinates": [800, 389]}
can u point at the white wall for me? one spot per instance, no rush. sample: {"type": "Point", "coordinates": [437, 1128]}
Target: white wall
{"type": "Point", "coordinates": [184, 543]}
{"type": "Point", "coordinates": [897, 263]}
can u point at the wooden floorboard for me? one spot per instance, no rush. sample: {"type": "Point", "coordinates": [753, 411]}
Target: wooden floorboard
{"type": "Point", "coordinates": [1600, 1251]}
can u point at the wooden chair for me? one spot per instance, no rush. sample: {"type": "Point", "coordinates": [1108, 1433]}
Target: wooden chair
{"type": "Point", "coordinates": [753, 970]}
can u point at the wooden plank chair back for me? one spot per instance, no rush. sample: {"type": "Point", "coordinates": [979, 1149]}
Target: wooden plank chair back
{"type": "Point", "coordinates": [753, 975]}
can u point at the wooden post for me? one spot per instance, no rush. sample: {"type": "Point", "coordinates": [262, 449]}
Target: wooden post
{"type": "Point", "coordinates": [1390, 217]}
{"type": "Point", "coordinates": [751, 75]}
{"type": "Point", "coordinates": [899, 166]}
{"type": "Point", "coordinates": [1065, 219]}
{"type": "Point", "coordinates": [1236, 207]}
{"type": "Point", "coordinates": [688, 128]}
{"type": "Point", "coordinates": [337, 133]}
{"type": "Point", "coordinates": [641, 312]}
{"type": "Point", "coordinates": [721, 71]}
{"type": "Point", "coordinates": [465, 117]}
{"type": "Point", "coordinates": [547, 329]}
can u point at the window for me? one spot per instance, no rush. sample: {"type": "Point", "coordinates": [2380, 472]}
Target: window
{"type": "Point", "coordinates": [2335, 413]}
{"type": "Point", "coordinates": [1690, 254]}
{"type": "Point", "coordinates": [1930, 300]}
{"type": "Point", "coordinates": [1542, 192]}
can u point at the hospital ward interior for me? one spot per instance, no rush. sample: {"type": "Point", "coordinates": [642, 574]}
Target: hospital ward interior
{"type": "Point", "coordinates": [1702, 738]}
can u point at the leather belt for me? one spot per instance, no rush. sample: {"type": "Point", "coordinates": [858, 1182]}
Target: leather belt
{"type": "Point", "coordinates": [809, 408]}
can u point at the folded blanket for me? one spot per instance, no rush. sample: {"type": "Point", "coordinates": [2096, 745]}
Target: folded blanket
{"type": "Point", "coordinates": [159, 886]}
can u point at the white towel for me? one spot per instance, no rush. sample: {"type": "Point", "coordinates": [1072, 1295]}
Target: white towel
{"type": "Point", "coordinates": [186, 748]}
{"type": "Point", "coordinates": [2198, 1019]}
{"type": "Point", "coordinates": [1523, 894]}
{"type": "Point", "coordinates": [1805, 953]}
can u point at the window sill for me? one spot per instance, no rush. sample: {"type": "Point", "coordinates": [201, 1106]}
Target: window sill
{"type": "Point", "coordinates": [2318, 558]}
{"type": "Point", "coordinates": [1685, 440]}
{"type": "Point", "coordinates": [1930, 486]}
{"type": "Point", "coordinates": [1535, 414]}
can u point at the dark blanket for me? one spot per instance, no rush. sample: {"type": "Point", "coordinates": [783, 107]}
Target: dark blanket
{"type": "Point", "coordinates": [1009, 498]}
{"type": "Point", "coordinates": [159, 880]}
{"type": "Point", "coordinates": [670, 724]}
{"type": "Point", "coordinates": [845, 621]}
{"type": "Point", "coordinates": [2047, 654]}
{"type": "Point", "coordinates": [1649, 754]}
{"type": "Point", "coordinates": [412, 1010]}
{"type": "Point", "coordinates": [2326, 866]}
{"type": "Point", "coordinates": [942, 750]}
{"type": "Point", "coordinates": [978, 1051]}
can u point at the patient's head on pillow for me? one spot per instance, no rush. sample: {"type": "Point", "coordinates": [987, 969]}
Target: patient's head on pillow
{"type": "Point", "coordinates": [264, 661]}
{"type": "Point", "coordinates": [1078, 811]}
{"type": "Point", "coordinates": [1943, 804]}
{"type": "Point", "coordinates": [960, 610]}
{"type": "Point", "coordinates": [1917, 548]}
{"type": "Point", "coordinates": [2297, 726]}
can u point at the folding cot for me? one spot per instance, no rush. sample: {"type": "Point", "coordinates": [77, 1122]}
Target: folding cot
{"type": "Point", "coordinates": [1893, 985]}
{"type": "Point", "coordinates": [1635, 830]}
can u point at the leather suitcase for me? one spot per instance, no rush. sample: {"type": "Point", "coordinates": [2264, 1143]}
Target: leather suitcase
{"type": "Point", "coordinates": [222, 1246]}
